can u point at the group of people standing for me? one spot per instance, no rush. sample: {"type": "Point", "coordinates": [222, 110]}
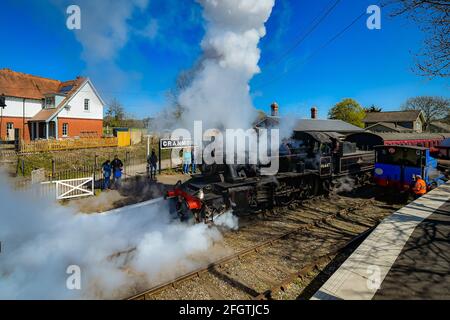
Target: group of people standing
{"type": "Point", "coordinates": [112, 173]}
{"type": "Point", "coordinates": [189, 161]}
{"type": "Point", "coordinates": [112, 170]}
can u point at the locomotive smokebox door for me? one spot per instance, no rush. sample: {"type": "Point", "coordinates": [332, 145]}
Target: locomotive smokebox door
{"type": "Point", "coordinates": [325, 166]}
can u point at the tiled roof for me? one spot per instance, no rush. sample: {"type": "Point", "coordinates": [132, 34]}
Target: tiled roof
{"type": "Point", "coordinates": [311, 125]}
{"type": "Point", "coordinates": [393, 136]}
{"type": "Point", "coordinates": [445, 127]}
{"type": "Point", "coordinates": [319, 125]}
{"type": "Point", "coordinates": [22, 85]}
{"type": "Point", "coordinates": [72, 86]}
{"type": "Point", "coordinates": [44, 114]}
{"type": "Point", "coordinates": [392, 116]}
{"type": "Point", "coordinates": [391, 126]}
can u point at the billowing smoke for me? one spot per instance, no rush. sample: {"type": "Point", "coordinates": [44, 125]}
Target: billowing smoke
{"type": "Point", "coordinates": [227, 220]}
{"type": "Point", "coordinates": [138, 247]}
{"type": "Point", "coordinates": [344, 184]}
{"type": "Point", "coordinates": [219, 92]}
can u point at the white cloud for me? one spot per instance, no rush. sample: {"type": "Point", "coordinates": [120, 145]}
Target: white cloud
{"type": "Point", "coordinates": [105, 27]}
{"type": "Point", "coordinates": [151, 30]}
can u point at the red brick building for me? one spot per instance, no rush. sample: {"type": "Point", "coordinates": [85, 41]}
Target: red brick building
{"type": "Point", "coordinates": [49, 109]}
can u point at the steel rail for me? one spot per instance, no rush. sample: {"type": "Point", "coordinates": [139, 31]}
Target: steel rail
{"type": "Point", "coordinates": [239, 255]}
{"type": "Point", "coordinates": [282, 286]}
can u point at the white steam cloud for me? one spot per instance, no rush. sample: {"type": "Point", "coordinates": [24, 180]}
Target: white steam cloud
{"type": "Point", "coordinates": [41, 239]}
{"type": "Point", "coordinates": [219, 93]}
{"type": "Point", "coordinates": [227, 220]}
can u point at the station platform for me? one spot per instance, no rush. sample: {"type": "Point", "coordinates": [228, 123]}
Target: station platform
{"type": "Point", "coordinates": [406, 257]}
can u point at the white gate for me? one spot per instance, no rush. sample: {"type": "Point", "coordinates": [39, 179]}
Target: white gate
{"type": "Point", "coordinates": [74, 188]}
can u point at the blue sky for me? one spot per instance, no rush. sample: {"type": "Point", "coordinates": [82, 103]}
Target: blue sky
{"type": "Point", "coordinates": [155, 42]}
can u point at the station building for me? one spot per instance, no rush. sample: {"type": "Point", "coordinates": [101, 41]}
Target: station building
{"type": "Point", "coordinates": [45, 108]}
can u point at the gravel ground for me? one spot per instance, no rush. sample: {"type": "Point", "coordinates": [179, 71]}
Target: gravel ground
{"type": "Point", "coordinates": [257, 272]}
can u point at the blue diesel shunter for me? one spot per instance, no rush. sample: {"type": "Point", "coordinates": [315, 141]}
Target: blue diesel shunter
{"type": "Point", "coordinates": [396, 166]}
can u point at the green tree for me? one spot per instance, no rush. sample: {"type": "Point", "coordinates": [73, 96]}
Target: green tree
{"type": "Point", "coordinates": [348, 110]}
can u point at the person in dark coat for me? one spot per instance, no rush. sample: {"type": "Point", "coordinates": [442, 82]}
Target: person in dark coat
{"type": "Point", "coordinates": [194, 166]}
{"type": "Point", "coordinates": [117, 177]}
{"type": "Point", "coordinates": [152, 162]}
{"type": "Point", "coordinates": [107, 170]}
{"type": "Point", "coordinates": [116, 165]}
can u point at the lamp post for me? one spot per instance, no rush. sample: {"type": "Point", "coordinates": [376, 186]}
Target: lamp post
{"type": "Point", "coordinates": [2, 106]}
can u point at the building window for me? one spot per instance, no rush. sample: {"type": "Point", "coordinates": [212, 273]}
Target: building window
{"type": "Point", "coordinates": [86, 104]}
{"type": "Point", "coordinates": [50, 102]}
{"type": "Point", "coordinates": [9, 126]}
{"type": "Point", "coordinates": [65, 129]}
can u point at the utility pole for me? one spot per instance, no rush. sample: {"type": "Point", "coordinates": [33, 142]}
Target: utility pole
{"type": "Point", "coordinates": [2, 106]}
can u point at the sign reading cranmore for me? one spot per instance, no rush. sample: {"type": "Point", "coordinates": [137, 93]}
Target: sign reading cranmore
{"type": "Point", "coordinates": [175, 144]}
{"type": "Point", "coordinates": [234, 146]}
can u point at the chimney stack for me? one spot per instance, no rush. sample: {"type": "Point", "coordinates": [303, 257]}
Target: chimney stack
{"type": "Point", "coordinates": [314, 113]}
{"type": "Point", "coordinates": [274, 108]}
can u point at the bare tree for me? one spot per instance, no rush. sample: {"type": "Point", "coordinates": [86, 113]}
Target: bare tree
{"type": "Point", "coordinates": [447, 118]}
{"type": "Point", "coordinates": [433, 17]}
{"type": "Point", "coordinates": [434, 108]}
{"type": "Point", "coordinates": [373, 108]}
{"type": "Point", "coordinates": [115, 113]}
{"type": "Point", "coordinates": [183, 82]}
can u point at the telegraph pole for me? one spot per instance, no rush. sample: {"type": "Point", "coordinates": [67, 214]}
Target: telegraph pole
{"type": "Point", "coordinates": [2, 106]}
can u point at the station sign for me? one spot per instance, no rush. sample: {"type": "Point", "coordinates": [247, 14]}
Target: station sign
{"type": "Point", "coordinates": [175, 144]}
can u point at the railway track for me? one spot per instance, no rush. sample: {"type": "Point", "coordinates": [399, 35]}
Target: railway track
{"type": "Point", "coordinates": [284, 285]}
{"type": "Point", "coordinates": [258, 249]}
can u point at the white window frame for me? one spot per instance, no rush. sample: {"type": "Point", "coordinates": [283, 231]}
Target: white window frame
{"type": "Point", "coordinates": [9, 126]}
{"type": "Point", "coordinates": [65, 127]}
{"type": "Point", "coordinates": [87, 103]}
{"type": "Point", "coordinates": [51, 104]}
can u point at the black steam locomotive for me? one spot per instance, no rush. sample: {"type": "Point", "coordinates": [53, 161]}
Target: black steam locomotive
{"type": "Point", "coordinates": [310, 164]}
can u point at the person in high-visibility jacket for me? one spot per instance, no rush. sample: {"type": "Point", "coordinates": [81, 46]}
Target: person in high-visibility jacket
{"type": "Point", "coordinates": [420, 187]}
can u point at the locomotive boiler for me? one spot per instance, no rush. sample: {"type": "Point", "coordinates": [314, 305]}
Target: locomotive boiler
{"type": "Point", "coordinates": [310, 164]}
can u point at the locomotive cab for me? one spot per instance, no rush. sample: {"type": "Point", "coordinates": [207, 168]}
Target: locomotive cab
{"type": "Point", "coordinates": [395, 167]}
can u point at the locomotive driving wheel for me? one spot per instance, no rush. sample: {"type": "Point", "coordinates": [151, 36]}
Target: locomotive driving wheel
{"type": "Point", "coordinates": [311, 188]}
{"type": "Point", "coordinates": [284, 194]}
{"type": "Point", "coordinates": [285, 200]}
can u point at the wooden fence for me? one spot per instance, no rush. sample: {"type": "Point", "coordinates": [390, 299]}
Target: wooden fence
{"type": "Point", "coordinates": [67, 144]}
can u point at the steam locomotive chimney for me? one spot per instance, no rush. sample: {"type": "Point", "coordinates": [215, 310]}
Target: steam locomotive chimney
{"type": "Point", "coordinates": [314, 113]}
{"type": "Point", "coordinates": [274, 108]}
